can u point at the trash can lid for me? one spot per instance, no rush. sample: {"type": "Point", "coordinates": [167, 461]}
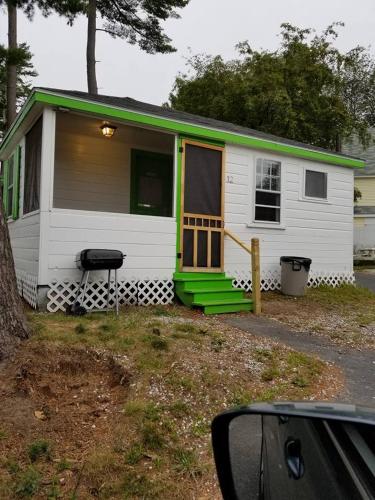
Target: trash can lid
{"type": "Point", "coordinates": [304, 261]}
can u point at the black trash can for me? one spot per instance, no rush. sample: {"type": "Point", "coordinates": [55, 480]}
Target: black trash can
{"type": "Point", "coordinates": [294, 275]}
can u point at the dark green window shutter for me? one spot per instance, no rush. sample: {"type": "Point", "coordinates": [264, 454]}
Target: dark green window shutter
{"type": "Point", "coordinates": [16, 183]}
{"type": "Point", "coordinates": [5, 187]}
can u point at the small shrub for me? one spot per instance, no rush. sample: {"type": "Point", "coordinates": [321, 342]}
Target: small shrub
{"type": "Point", "coordinates": [12, 466]}
{"type": "Point", "coordinates": [39, 449]}
{"type": "Point", "coordinates": [217, 343]}
{"type": "Point", "coordinates": [27, 483]}
{"type": "Point", "coordinates": [186, 328]}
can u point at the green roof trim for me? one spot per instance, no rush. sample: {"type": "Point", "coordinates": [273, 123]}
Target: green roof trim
{"type": "Point", "coordinates": [180, 127]}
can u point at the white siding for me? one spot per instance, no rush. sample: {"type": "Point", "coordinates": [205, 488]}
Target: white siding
{"type": "Point", "coordinates": [322, 231]}
{"type": "Point", "coordinates": [93, 172]}
{"type": "Point", "coordinates": [148, 242]}
{"type": "Point", "coordinates": [24, 236]}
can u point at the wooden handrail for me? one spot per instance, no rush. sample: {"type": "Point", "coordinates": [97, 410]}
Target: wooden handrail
{"type": "Point", "coordinates": [255, 267]}
{"type": "Point", "coordinates": [237, 240]}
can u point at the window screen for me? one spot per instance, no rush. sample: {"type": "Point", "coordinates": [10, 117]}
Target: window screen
{"type": "Point", "coordinates": [268, 190]}
{"type": "Point", "coordinates": [315, 184]}
{"type": "Point", "coordinates": [33, 152]}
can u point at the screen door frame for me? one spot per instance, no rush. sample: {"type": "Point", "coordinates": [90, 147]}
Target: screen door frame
{"type": "Point", "coordinates": [196, 222]}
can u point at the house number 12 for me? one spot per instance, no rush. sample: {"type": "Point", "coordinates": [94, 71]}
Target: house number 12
{"type": "Point", "coordinates": [230, 179]}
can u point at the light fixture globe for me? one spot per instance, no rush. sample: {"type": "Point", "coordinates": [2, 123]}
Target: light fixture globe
{"type": "Point", "coordinates": [108, 130]}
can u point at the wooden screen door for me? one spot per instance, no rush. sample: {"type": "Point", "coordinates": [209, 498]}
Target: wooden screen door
{"type": "Point", "coordinates": [202, 207]}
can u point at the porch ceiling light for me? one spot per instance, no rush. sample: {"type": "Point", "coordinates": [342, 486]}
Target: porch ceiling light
{"type": "Point", "coordinates": [108, 130]}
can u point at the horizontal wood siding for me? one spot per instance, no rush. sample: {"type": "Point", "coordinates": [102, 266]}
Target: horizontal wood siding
{"type": "Point", "coordinates": [24, 237]}
{"type": "Point", "coordinates": [92, 172]}
{"type": "Point", "coordinates": [148, 242]}
{"type": "Point", "coordinates": [319, 230]}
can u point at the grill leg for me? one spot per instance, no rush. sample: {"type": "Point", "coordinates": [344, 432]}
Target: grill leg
{"type": "Point", "coordinates": [108, 286]}
{"type": "Point", "coordinates": [79, 287]}
{"type": "Point", "coordinates": [85, 286]}
{"type": "Point", "coordinates": [116, 291]}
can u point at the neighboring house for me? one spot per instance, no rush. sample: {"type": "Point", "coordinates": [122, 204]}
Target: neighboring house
{"type": "Point", "coordinates": [364, 208]}
{"type": "Point", "coordinates": [162, 189]}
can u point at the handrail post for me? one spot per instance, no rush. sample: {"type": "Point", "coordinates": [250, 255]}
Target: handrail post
{"type": "Point", "coordinates": [255, 275]}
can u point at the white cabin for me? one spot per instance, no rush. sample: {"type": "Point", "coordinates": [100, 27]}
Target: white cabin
{"type": "Point", "coordinates": [162, 189]}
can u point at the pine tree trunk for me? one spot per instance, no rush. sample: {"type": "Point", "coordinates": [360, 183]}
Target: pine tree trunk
{"type": "Point", "coordinates": [13, 327]}
{"type": "Point", "coordinates": [11, 68]}
{"type": "Point", "coordinates": [90, 51]}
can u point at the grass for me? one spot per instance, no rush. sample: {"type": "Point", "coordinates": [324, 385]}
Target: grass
{"type": "Point", "coordinates": [184, 370]}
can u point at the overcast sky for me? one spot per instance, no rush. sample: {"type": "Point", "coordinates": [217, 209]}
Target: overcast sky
{"type": "Point", "coordinates": [210, 26]}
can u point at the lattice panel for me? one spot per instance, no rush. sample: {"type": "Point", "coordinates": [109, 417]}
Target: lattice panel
{"type": "Point", "coordinates": [155, 292]}
{"type": "Point", "coordinates": [62, 293]}
{"type": "Point", "coordinates": [148, 292]}
{"type": "Point", "coordinates": [333, 279]}
{"type": "Point", "coordinates": [27, 285]}
{"type": "Point", "coordinates": [270, 279]}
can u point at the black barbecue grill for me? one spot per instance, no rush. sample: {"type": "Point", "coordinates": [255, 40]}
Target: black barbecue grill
{"type": "Point", "coordinates": [96, 260]}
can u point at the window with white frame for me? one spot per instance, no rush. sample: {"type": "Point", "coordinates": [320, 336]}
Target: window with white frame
{"type": "Point", "coordinates": [268, 191]}
{"type": "Point", "coordinates": [315, 184]}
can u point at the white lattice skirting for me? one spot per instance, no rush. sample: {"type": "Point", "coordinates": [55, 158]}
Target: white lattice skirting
{"type": "Point", "coordinates": [145, 293]}
{"type": "Point", "coordinates": [27, 285]}
{"type": "Point", "coordinates": [270, 279]}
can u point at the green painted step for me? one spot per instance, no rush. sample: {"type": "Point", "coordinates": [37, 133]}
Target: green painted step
{"type": "Point", "coordinates": [212, 292]}
{"type": "Point", "coordinates": [225, 306]}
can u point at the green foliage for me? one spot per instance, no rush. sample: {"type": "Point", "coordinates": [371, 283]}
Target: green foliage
{"type": "Point", "coordinates": [38, 449]}
{"type": "Point", "coordinates": [21, 57]}
{"type": "Point", "coordinates": [27, 483]}
{"type": "Point", "coordinates": [307, 90]}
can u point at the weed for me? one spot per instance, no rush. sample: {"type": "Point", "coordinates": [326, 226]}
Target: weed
{"type": "Point", "coordinates": [186, 462]}
{"type": "Point", "coordinates": [27, 483]}
{"type": "Point", "coordinates": [3, 434]}
{"type": "Point", "coordinates": [63, 464]}
{"type": "Point", "coordinates": [300, 381]}
{"type": "Point", "coordinates": [186, 328]}
{"type": "Point", "coordinates": [80, 328]}
{"type": "Point", "coordinates": [200, 427]}
{"type": "Point", "coordinates": [159, 344]}
{"type": "Point", "coordinates": [217, 343]}
{"type": "Point", "coordinates": [178, 408]}
{"type": "Point", "coordinates": [269, 374]}
{"type": "Point", "coordinates": [152, 436]}
{"type": "Point", "coordinates": [12, 466]}
{"type": "Point", "coordinates": [138, 486]}
{"type": "Point", "coordinates": [135, 454]}
{"type": "Point", "coordinates": [263, 355]}
{"type": "Point", "coordinates": [54, 491]}
{"type": "Point", "coordinates": [39, 449]}
{"type": "Point", "coordinates": [240, 398]}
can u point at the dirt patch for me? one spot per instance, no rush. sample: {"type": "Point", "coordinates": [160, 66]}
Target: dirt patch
{"type": "Point", "coordinates": [70, 396]}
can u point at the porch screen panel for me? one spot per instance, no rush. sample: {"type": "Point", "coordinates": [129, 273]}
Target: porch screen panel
{"type": "Point", "coordinates": [202, 193]}
{"type": "Point", "coordinates": [33, 155]}
{"type": "Point", "coordinates": [202, 248]}
{"type": "Point", "coordinates": [216, 249]}
{"type": "Point", "coordinates": [188, 247]}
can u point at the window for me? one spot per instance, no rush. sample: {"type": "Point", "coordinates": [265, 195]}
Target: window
{"type": "Point", "coordinates": [315, 184]}
{"type": "Point", "coordinates": [151, 183]}
{"type": "Point", "coordinates": [268, 191]}
{"type": "Point", "coordinates": [10, 187]}
{"type": "Point", "coordinates": [11, 184]}
{"type": "Point", "coordinates": [33, 151]}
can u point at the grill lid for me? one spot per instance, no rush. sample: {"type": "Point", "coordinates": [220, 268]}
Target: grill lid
{"type": "Point", "coordinates": [96, 259]}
